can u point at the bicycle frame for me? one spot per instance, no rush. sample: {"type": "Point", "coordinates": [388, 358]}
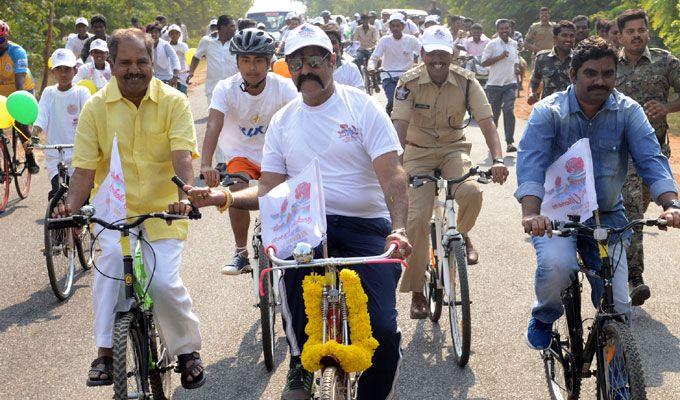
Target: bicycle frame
{"type": "Point", "coordinates": [451, 234]}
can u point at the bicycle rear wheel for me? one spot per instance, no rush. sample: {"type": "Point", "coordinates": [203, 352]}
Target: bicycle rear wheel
{"type": "Point", "coordinates": [333, 384]}
{"type": "Point", "coordinates": [60, 250]}
{"type": "Point", "coordinates": [267, 306]}
{"type": "Point", "coordinates": [160, 372]}
{"type": "Point", "coordinates": [433, 293]}
{"type": "Point", "coordinates": [22, 178]}
{"type": "Point", "coordinates": [129, 361]}
{"type": "Point", "coordinates": [5, 175]}
{"type": "Point", "coordinates": [83, 246]}
{"type": "Point", "coordinates": [562, 359]}
{"type": "Point", "coordinates": [619, 372]}
{"type": "Point", "coordinates": [459, 303]}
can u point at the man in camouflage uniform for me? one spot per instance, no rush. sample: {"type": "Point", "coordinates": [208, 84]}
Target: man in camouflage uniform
{"type": "Point", "coordinates": [552, 66]}
{"type": "Point", "coordinates": [540, 34]}
{"type": "Point", "coordinates": [429, 114]}
{"type": "Point", "coordinates": [646, 75]}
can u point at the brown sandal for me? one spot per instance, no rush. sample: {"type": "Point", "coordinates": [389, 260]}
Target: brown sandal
{"type": "Point", "coordinates": [107, 370]}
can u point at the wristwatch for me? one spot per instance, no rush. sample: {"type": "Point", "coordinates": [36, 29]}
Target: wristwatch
{"type": "Point", "coordinates": [498, 161]}
{"type": "Point", "coordinates": [673, 203]}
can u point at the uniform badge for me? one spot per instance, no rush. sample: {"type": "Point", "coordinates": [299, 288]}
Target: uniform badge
{"type": "Point", "coordinates": [401, 93]}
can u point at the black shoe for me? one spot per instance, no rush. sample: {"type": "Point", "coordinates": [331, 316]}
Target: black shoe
{"type": "Point", "coordinates": [511, 148]}
{"type": "Point", "coordinates": [221, 167]}
{"type": "Point", "coordinates": [299, 384]}
{"type": "Point", "coordinates": [32, 166]}
{"type": "Point", "coordinates": [639, 292]}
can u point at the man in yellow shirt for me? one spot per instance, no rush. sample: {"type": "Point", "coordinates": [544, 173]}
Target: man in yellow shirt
{"type": "Point", "coordinates": [156, 140]}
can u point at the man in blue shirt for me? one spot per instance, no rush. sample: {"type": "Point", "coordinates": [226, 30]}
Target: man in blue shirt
{"type": "Point", "coordinates": [617, 127]}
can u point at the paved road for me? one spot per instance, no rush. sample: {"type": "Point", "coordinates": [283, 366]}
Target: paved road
{"type": "Point", "coordinates": [46, 346]}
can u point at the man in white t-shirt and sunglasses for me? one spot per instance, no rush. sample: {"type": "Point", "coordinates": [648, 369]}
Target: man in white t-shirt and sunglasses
{"type": "Point", "coordinates": [364, 188]}
{"type": "Point", "coordinates": [239, 115]}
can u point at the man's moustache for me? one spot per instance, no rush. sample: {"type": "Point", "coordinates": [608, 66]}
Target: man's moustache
{"type": "Point", "coordinates": [597, 87]}
{"type": "Point", "coordinates": [308, 77]}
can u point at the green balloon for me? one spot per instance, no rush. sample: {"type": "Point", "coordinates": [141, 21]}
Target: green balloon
{"type": "Point", "coordinates": [23, 107]}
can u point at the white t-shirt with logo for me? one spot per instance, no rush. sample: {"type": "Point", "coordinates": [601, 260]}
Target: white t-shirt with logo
{"type": "Point", "coordinates": [348, 74]}
{"type": "Point", "coordinates": [181, 49]}
{"type": "Point", "coordinates": [100, 77]}
{"type": "Point", "coordinates": [346, 133]}
{"type": "Point", "coordinates": [397, 55]}
{"type": "Point", "coordinates": [246, 117]}
{"type": "Point", "coordinates": [58, 114]}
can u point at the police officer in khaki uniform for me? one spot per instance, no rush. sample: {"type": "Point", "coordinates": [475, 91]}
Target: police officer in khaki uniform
{"type": "Point", "coordinates": [429, 112]}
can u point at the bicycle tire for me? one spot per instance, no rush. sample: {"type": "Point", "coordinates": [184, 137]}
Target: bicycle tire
{"type": "Point", "coordinates": [160, 376]}
{"type": "Point", "coordinates": [461, 332]}
{"type": "Point", "coordinates": [83, 245]}
{"type": "Point", "coordinates": [59, 247]}
{"type": "Point", "coordinates": [368, 85]}
{"type": "Point", "coordinates": [561, 360]}
{"type": "Point", "coordinates": [617, 336]}
{"type": "Point", "coordinates": [333, 384]}
{"type": "Point", "coordinates": [433, 294]}
{"type": "Point", "coordinates": [267, 306]}
{"type": "Point", "coordinates": [127, 336]}
{"type": "Point", "coordinates": [22, 178]}
{"type": "Point", "coordinates": [5, 175]}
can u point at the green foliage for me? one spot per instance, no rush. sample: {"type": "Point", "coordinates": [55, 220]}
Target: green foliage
{"type": "Point", "coordinates": [28, 19]}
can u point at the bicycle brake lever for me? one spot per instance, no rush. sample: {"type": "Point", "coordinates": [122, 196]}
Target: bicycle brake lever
{"type": "Point", "coordinates": [194, 213]}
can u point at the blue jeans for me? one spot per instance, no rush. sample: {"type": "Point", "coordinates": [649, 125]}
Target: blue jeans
{"type": "Point", "coordinates": [389, 85]}
{"type": "Point", "coordinates": [557, 266]}
{"type": "Point", "coordinates": [503, 98]}
{"type": "Point", "coordinates": [353, 237]}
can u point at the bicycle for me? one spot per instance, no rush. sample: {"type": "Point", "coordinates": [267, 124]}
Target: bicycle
{"type": "Point", "coordinates": [269, 299]}
{"type": "Point", "coordinates": [141, 364]}
{"type": "Point", "coordinates": [567, 361]}
{"type": "Point", "coordinates": [335, 383]}
{"type": "Point", "coordinates": [13, 167]}
{"type": "Point", "coordinates": [446, 281]}
{"type": "Point", "coordinates": [61, 244]}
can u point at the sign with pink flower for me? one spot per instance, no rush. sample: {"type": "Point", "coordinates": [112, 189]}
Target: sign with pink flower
{"type": "Point", "coordinates": [294, 212]}
{"type": "Point", "coordinates": [570, 184]}
{"type": "Point", "coordinates": [110, 201]}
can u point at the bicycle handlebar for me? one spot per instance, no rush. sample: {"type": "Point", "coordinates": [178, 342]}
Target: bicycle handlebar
{"type": "Point", "coordinates": [79, 220]}
{"type": "Point", "coordinates": [228, 179]}
{"type": "Point", "coordinates": [418, 180]}
{"type": "Point", "coordinates": [39, 146]}
{"type": "Point", "coordinates": [323, 262]}
{"type": "Point", "coordinates": [572, 228]}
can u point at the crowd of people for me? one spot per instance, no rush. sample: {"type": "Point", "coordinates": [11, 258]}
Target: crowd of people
{"type": "Point", "coordinates": [580, 86]}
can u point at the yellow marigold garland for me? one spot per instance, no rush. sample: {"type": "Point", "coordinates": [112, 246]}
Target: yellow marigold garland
{"type": "Point", "coordinates": [354, 357]}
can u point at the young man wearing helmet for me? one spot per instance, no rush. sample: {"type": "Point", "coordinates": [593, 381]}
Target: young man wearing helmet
{"type": "Point", "coordinates": [240, 110]}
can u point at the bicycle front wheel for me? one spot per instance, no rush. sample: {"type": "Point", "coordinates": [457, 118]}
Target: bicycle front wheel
{"type": "Point", "coordinates": [160, 372]}
{"type": "Point", "coordinates": [459, 303]}
{"type": "Point", "coordinates": [60, 253]}
{"type": "Point", "coordinates": [129, 362]}
{"type": "Point", "coordinates": [368, 85]}
{"type": "Point", "coordinates": [333, 384]}
{"type": "Point", "coordinates": [619, 372]}
{"type": "Point", "coordinates": [83, 247]}
{"type": "Point", "coordinates": [433, 293]}
{"type": "Point", "coordinates": [22, 178]}
{"type": "Point", "coordinates": [267, 305]}
{"type": "Point", "coordinates": [5, 175]}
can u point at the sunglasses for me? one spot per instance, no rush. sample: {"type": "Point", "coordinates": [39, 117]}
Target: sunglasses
{"type": "Point", "coordinates": [295, 64]}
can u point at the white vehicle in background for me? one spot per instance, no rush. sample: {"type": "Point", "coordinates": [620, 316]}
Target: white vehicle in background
{"type": "Point", "coordinates": [272, 13]}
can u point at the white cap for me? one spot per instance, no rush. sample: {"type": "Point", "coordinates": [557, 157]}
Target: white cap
{"type": "Point", "coordinates": [99, 44]}
{"type": "Point", "coordinates": [432, 18]}
{"type": "Point", "coordinates": [306, 35]}
{"type": "Point", "coordinates": [213, 22]}
{"type": "Point", "coordinates": [174, 27]}
{"type": "Point", "coordinates": [397, 17]}
{"type": "Point", "coordinates": [261, 25]}
{"type": "Point", "coordinates": [82, 20]}
{"type": "Point", "coordinates": [63, 57]}
{"type": "Point", "coordinates": [291, 15]}
{"type": "Point", "coordinates": [437, 38]}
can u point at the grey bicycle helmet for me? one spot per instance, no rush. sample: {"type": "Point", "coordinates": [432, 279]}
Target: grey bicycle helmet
{"type": "Point", "coordinates": [252, 41]}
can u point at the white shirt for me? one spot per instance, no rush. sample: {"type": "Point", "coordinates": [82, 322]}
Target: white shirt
{"type": "Point", "coordinates": [100, 77]}
{"type": "Point", "coordinates": [75, 44]}
{"type": "Point", "coordinates": [411, 28]}
{"type": "Point", "coordinates": [348, 74]}
{"type": "Point", "coordinates": [181, 49]}
{"type": "Point", "coordinates": [165, 61]}
{"type": "Point", "coordinates": [346, 133]}
{"type": "Point", "coordinates": [221, 64]}
{"type": "Point", "coordinates": [397, 55]}
{"type": "Point", "coordinates": [502, 72]}
{"type": "Point", "coordinates": [58, 114]}
{"type": "Point", "coordinates": [246, 117]}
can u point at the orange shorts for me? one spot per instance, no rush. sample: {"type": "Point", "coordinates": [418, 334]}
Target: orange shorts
{"type": "Point", "coordinates": [241, 164]}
